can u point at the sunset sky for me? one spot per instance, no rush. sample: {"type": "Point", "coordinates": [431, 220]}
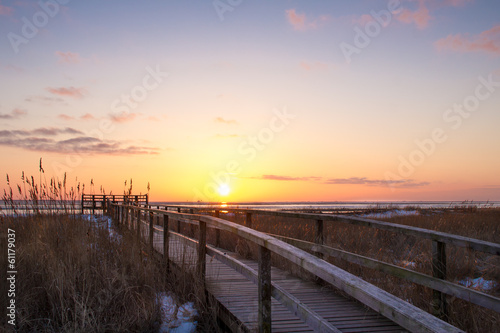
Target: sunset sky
{"type": "Point", "coordinates": [239, 100]}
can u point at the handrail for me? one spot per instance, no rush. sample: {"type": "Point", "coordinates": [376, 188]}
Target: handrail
{"type": "Point", "coordinates": [456, 240]}
{"type": "Point", "coordinates": [404, 314]}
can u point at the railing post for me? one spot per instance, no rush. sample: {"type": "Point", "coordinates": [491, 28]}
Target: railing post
{"type": "Point", "coordinates": [264, 289]}
{"type": "Point", "coordinates": [93, 204]}
{"type": "Point", "coordinates": [166, 235]}
{"type": "Point", "coordinates": [217, 230]}
{"type": "Point", "coordinates": [82, 203]}
{"type": "Point", "coordinates": [178, 222]}
{"type": "Point", "coordinates": [248, 220]}
{"type": "Point", "coordinates": [439, 303]}
{"type": "Point", "coordinates": [151, 233]}
{"type": "Point", "coordinates": [138, 225]}
{"type": "Point", "coordinates": [202, 254]}
{"type": "Point", "coordinates": [191, 226]}
{"type": "Point", "coordinates": [319, 239]}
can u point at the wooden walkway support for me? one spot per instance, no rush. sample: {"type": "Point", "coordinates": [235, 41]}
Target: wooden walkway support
{"type": "Point", "coordinates": [283, 302]}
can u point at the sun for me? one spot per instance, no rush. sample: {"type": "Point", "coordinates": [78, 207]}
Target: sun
{"type": "Point", "coordinates": [224, 189]}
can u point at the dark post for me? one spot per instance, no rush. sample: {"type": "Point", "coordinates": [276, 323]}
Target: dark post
{"type": "Point", "coordinates": [217, 231]}
{"type": "Point", "coordinates": [151, 233]}
{"type": "Point", "coordinates": [264, 289]}
{"type": "Point", "coordinates": [319, 236]}
{"type": "Point", "coordinates": [93, 204]}
{"type": "Point", "coordinates": [248, 220]}
{"type": "Point", "coordinates": [192, 226]}
{"type": "Point", "coordinates": [83, 195]}
{"type": "Point", "coordinates": [138, 225]}
{"type": "Point", "coordinates": [202, 252]}
{"type": "Point", "coordinates": [440, 306]}
{"type": "Point", "coordinates": [166, 244]}
{"type": "Point", "coordinates": [178, 222]}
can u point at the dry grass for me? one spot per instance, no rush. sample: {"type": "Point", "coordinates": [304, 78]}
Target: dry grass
{"type": "Point", "coordinates": [74, 276]}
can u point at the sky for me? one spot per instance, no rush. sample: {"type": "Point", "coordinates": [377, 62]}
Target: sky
{"type": "Point", "coordinates": [238, 100]}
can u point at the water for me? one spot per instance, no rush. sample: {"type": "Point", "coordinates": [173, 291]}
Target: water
{"type": "Point", "coordinates": [326, 207]}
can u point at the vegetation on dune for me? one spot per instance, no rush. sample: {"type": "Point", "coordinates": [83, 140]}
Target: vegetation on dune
{"type": "Point", "coordinates": [73, 275]}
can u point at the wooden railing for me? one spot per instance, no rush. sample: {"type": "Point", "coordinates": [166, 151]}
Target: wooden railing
{"type": "Point", "coordinates": [437, 282]}
{"type": "Point", "coordinates": [98, 201]}
{"type": "Point", "coordinates": [404, 314]}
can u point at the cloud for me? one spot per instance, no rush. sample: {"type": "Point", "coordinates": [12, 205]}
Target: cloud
{"type": "Point", "coordinates": [123, 117]}
{"type": "Point", "coordinates": [65, 117]}
{"type": "Point", "coordinates": [48, 140]}
{"type": "Point", "coordinates": [487, 41]}
{"type": "Point", "coordinates": [225, 121]}
{"type": "Point", "coordinates": [68, 57]}
{"type": "Point", "coordinates": [419, 17]}
{"type": "Point", "coordinates": [301, 22]}
{"type": "Point", "coordinates": [44, 131]}
{"type": "Point", "coordinates": [67, 92]}
{"type": "Point", "coordinates": [346, 181]}
{"type": "Point", "coordinates": [87, 116]}
{"type": "Point", "coordinates": [285, 178]}
{"type": "Point", "coordinates": [14, 114]}
{"type": "Point", "coordinates": [314, 66]}
{"type": "Point", "coordinates": [48, 101]}
{"type": "Point", "coordinates": [375, 182]}
{"type": "Point", "coordinates": [6, 11]}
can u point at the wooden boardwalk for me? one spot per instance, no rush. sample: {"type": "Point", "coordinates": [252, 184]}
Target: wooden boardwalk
{"type": "Point", "coordinates": [239, 296]}
{"type": "Point", "coordinates": [253, 295]}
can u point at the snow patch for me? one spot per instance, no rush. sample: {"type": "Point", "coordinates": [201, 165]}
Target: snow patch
{"type": "Point", "coordinates": [174, 318]}
{"type": "Point", "coordinates": [478, 283]}
{"type": "Point", "coordinates": [391, 213]}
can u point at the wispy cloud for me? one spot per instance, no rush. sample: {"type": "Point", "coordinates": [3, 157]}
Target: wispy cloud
{"type": "Point", "coordinates": [87, 116]}
{"type": "Point", "coordinates": [123, 117]}
{"type": "Point", "coordinates": [14, 114]}
{"type": "Point", "coordinates": [44, 131]}
{"type": "Point", "coordinates": [68, 92]}
{"type": "Point", "coordinates": [73, 141]}
{"type": "Point", "coordinates": [345, 181]}
{"type": "Point", "coordinates": [301, 22]}
{"type": "Point", "coordinates": [48, 101]}
{"type": "Point", "coordinates": [375, 182]}
{"type": "Point", "coordinates": [285, 178]}
{"type": "Point", "coordinates": [420, 17]}
{"type": "Point", "coordinates": [66, 117]}
{"type": "Point", "coordinates": [68, 57]}
{"type": "Point", "coordinates": [5, 10]}
{"type": "Point", "coordinates": [221, 120]}
{"type": "Point", "coordinates": [487, 41]}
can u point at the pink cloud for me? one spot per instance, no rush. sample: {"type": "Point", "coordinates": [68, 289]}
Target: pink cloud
{"type": "Point", "coordinates": [68, 57]}
{"type": "Point", "coordinates": [69, 92]}
{"type": "Point", "coordinates": [123, 117]}
{"type": "Point", "coordinates": [6, 11]}
{"type": "Point", "coordinates": [487, 41]}
{"type": "Point", "coordinates": [87, 116]}
{"type": "Point", "coordinates": [301, 22]}
{"type": "Point", "coordinates": [65, 117]}
{"type": "Point", "coordinates": [420, 17]}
